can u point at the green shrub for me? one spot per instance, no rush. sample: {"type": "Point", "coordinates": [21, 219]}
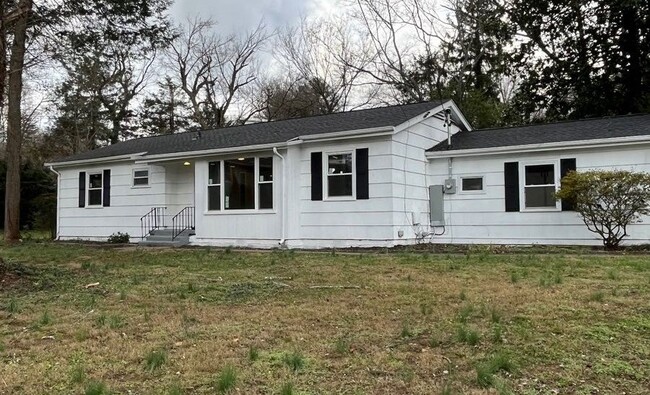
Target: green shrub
{"type": "Point", "coordinates": [607, 201]}
{"type": "Point", "coordinates": [119, 238]}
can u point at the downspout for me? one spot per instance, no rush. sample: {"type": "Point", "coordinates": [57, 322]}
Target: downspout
{"type": "Point", "coordinates": [58, 205]}
{"type": "Point", "coordinates": [283, 240]}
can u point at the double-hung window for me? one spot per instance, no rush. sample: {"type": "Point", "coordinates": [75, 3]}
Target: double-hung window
{"type": "Point", "coordinates": [339, 175]}
{"type": "Point", "coordinates": [265, 183]}
{"type": "Point", "coordinates": [214, 186]}
{"type": "Point", "coordinates": [240, 184]}
{"type": "Point", "coordinates": [539, 186]}
{"type": "Point", "coordinates": [95, 186]}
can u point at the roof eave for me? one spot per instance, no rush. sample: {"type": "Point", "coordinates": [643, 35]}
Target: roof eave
{"type": "Point", "coordinates": [105, 159]}
{"type": "Point", "coordinates": [555, 146]}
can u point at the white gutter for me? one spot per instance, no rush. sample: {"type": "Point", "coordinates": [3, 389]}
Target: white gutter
{"type": "Point", "coordinates": [207, 152]}
{"type": "Point", "coordinates": [58, 206]}
{"type": "Point", "coordinates": [555, 146]}
{"type": "Point", "coordinates": [348, 133]}
{"type": "Point", "coordinates": [283, 240]}
{"type": "Point", "coordinates": [95, 160]}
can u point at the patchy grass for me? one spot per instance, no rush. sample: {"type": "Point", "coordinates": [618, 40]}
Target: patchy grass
{"type": "Point", "coordinates": [221, 321]}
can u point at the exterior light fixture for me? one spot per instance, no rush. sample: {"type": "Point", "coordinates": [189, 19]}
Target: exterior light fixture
{"type": "Point", "coordinates": [186, 163]}
{"type": "Point", "coordinates": [241, 158]}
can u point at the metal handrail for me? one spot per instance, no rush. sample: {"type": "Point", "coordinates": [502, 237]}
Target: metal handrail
{"type": "Point", "coordinates": [182, 221]}
{"type": "Point", "coordinates": [154, 219]}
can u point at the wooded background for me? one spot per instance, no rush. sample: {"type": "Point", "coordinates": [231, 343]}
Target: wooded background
{"type": "Point", "coordinates": [80, 74]}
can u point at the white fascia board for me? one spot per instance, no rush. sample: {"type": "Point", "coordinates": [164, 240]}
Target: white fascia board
{"type": "Point", "coordinates": [367, 132]}
{"type": "Point", "coordinates": [107, 159]}
{"type": "Point", "coordinates": [209, 152]}
{"type": "Point", "coordinates": [459, 115]}
{"type": "Point", "coordinates": [456, 114]}
{"type": "Point", "coordinates": [555, 146]}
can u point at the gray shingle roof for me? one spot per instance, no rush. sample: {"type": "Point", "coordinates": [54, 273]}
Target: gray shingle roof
{"type": "Point", "coordinates": [260, 133]}
{"type": "Point", "coordinates": [586, 129]}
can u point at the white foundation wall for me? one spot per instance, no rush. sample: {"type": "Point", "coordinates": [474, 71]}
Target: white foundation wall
{"type": "Point", "coordinates": [480, 218]}
{"type": "Point", "coordinates": [128, 203]}
{"type": "Point", "coordinates": [245, 228]}
{"type": "Point", "coordinates": [409, 169]}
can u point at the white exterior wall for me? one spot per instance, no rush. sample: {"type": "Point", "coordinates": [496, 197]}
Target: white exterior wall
{"type": "Point", "coordinates": [241, 228]}
{"type": "Point", "coordinates": [179, 188]}
{"type": "Point", "coordinates": [409, 169]}
{"type": "Point", "coordinates": [340, 222]}
{"type": "Point", "coordinates": [128, 203]}
{"type": "Point", "coordinates": [480, 218]}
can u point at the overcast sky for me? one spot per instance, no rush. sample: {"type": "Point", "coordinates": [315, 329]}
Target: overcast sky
{"type": "Point", "coordinates": [234, 15]}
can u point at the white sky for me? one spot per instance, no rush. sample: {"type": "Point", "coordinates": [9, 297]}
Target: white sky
{"type": "Point", "coordinates": [242, 15]}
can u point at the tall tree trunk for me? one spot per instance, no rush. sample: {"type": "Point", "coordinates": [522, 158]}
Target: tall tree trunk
{"type": "Point", "coordinates": [14, 118]}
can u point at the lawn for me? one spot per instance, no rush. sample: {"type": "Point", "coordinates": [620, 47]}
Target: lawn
{"type": "Point", "coordinates": [93, 320]}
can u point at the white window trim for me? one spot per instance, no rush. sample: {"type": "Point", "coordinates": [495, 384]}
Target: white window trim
{"type": "Point", "coordinates": [88, 189]}
{"type": "Point", "coordinates": [522, 185]}
{"type": "Point", "coordinates": [326, 175]}
{"type": "Point", "coordinates": [133, 177]}
{"type": "Point", "coordinates": [469, 192]}
{"type": "Point", "coordinates": [222, 189]}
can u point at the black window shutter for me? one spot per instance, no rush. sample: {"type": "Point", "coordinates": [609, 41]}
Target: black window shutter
{"type": "Point", "coordinates": [511, 178]}
{"type": "Point", "coordinates": [82, 189]}
{"type": "Point", "coordinates": [106, 198]}
{"type": "Point", "coordinates": [316, 176]}
{"type": "Point", "coordinates": [362, 173]}
{"type": "Point", "coordinates": [567, 165]}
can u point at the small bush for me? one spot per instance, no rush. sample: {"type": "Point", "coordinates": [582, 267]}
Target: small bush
{"type": "Point", "coordinates": [227, 379]}
{"type": "Point", "coordinates": [119, 238]}
{"type": "Point", "coordinates": [608, 201]}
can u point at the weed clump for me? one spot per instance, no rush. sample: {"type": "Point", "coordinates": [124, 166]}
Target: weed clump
{"type": "Point", "coordinates": [227, 379]}
{"type": "Point", "coordinates": [155, 359]}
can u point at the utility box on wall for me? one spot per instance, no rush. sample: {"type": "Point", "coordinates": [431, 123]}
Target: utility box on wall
{"type": "Point", "coordinates": [436, 205]}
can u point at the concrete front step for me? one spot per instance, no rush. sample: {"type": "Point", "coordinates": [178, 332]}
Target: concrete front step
{"type": "Point", "coordinates": [162, 237]}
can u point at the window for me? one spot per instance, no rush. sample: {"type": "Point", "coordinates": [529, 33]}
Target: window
{"type": "Point", "coordinates": [539, 186]}
{"type": "Point", "coordinates": [471, 184]}
{"type": "Point", "coordinates": [339, 175]}
{"type": "Point", "coordinates": [265, 183]}
{"type": "Point", "coordinates": [214, 186]}
{"type": "Point", "coordinates": [95, 189]}
{"type": "Point", "coordinates": [140, 178]}
{"type": "Point", "coordinates": [239, 184]}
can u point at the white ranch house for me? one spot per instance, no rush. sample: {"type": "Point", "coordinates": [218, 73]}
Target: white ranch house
{"type": "Point", "coordinates": [377, 177]}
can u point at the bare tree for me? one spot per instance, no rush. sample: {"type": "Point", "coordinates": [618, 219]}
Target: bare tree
{"type": "Point", "coordinates": [330, 58]}
{"type": "Point", "coordinates": [214, 70]}
{"type": "Point", "coordinates": [400, 32]}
